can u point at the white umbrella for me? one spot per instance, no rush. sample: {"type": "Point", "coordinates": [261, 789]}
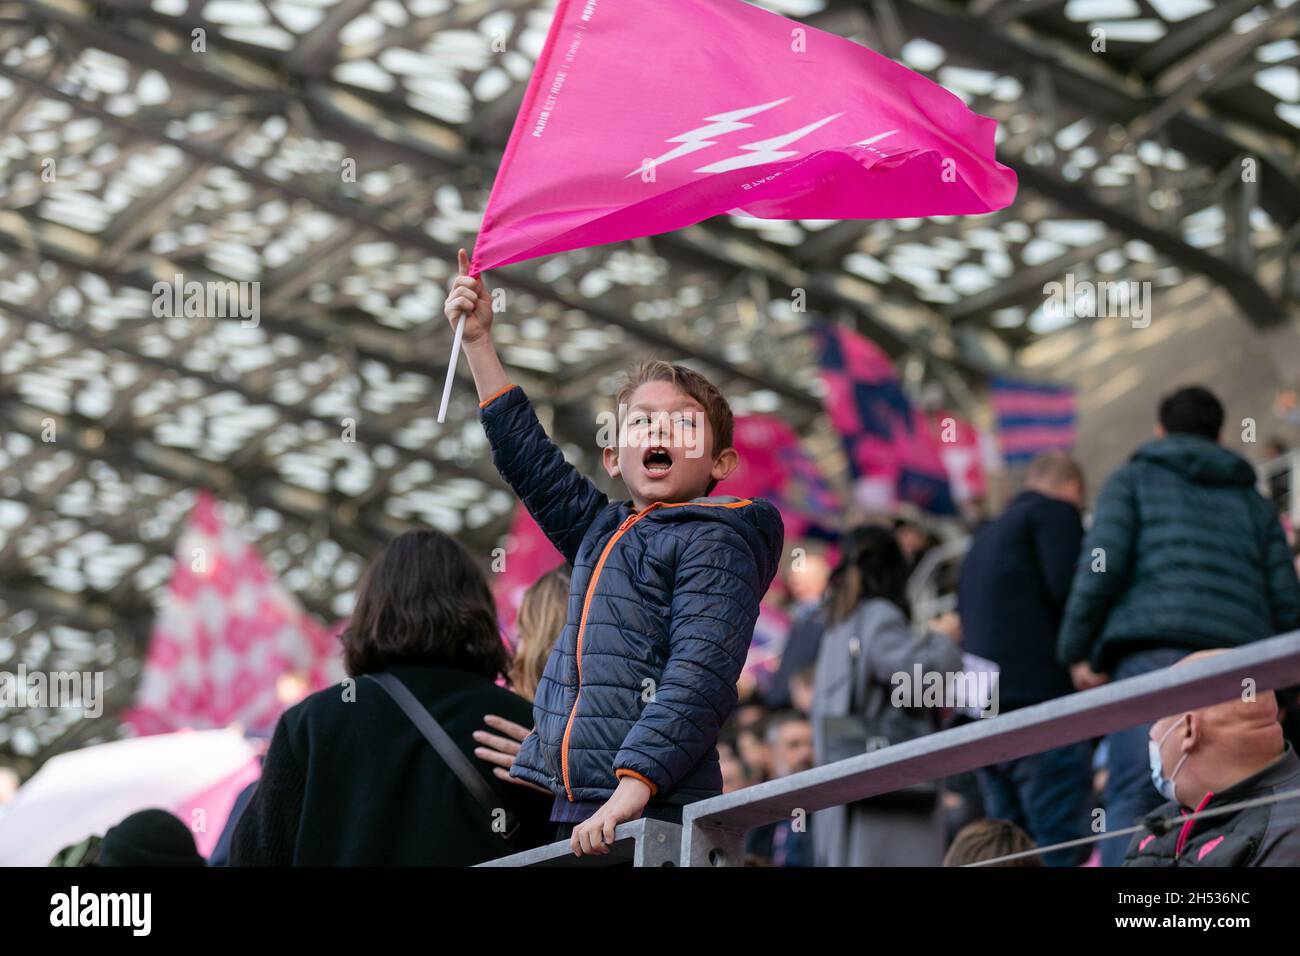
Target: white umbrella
{"type": "Point", "coordinates": [85, 792]}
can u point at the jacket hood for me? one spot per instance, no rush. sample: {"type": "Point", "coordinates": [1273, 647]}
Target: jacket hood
{"type": "Point", "coordinates": [1197, 459]}
{"type": "Point", "coordinates": [754, 519]}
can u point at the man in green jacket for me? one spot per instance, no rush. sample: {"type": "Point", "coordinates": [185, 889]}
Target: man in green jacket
{"type": "Point", "coordinates": [1184, 555]}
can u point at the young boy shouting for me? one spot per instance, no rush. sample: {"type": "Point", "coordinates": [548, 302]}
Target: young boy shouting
{"type": "Point", "coordinates": [665, 589]}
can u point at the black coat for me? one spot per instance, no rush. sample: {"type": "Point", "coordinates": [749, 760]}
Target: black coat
{"type": "Point", "coordinates": [1012, 593]}
{"type": "Point", "coordinates": [1263, 835]}
{"type": "Point", "coordinates": [354, 783]}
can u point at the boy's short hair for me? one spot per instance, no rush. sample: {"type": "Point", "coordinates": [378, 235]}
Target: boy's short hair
{"type": "Point", "coordinates": [689, 382]}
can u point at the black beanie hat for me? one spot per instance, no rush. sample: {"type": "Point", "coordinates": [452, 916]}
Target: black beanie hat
{"type": "Point", "coordinates": [149, 838]}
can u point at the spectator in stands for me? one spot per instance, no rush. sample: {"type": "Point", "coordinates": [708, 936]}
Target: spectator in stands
{"type": "Point", "coordinates": [806, 582]}
{"type": "Point", "coordinates": [1014, 584]}
{"type": "Point", "coordinates": [1202, 760]}
{"type": "Point", "coordinates": [751, 745]}
{"type": "Point", "coordinates": [349, 779]}
{"type": "Point", "coordinates": [543, 613]}
{"type": "Point", "coordinates": [801, 689]}
{"type": "Point", "coordinates": [785, 842]}
{"type": "Point", "coordinates": [146, 838]}
{"type": "Point", "coordinates": [220, 855]}
{"type": "Point", "coordinates": [867, 643]}
{"type": "Point", "coordinates": [991, 840]}
{"type": "Point", "coordinates": [735, 775]}
{"type": "Point", "coordinates": [1279, 480]}
{"type": "Point", "coordinates": [747, 715]}
{"type": "Point", "coordinates": [789, 741]}
{"type": "Point", "coordinates": [913, 538]}
{"type": "Point", "coordinates": [1184, 554]}
{"type": "Point", "coordinates": [149, 838]}
{"type": "Point", "coordinates": [673, 606]}
{"type": "Point", "coordinates": [975, 512]}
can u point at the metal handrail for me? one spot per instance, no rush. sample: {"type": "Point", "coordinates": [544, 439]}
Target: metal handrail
{"type": "Point", "coordinates": [643, 842]}
{"type": "Point", "coordinates": [713, 830]}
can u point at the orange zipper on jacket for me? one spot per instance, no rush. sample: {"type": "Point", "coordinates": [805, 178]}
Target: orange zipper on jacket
{"type": "Point", "coordinates": [582, 626]}
{"type": "Point", "coordinates": [586, 606]}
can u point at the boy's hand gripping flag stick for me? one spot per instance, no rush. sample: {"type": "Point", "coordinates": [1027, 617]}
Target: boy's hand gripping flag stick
{"type": "Point", "coordinates": [463, 261]}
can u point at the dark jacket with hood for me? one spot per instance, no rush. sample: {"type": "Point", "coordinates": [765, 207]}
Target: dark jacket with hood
{"type": "Point", "coordinates": [1193, 557]}
{"type": "Point", "coordinates": [1265, 835]}
{"type": "Point", "coordinates": [661, 614]}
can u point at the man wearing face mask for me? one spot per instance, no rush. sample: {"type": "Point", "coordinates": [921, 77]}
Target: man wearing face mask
{"type": "Point", "coordinates": [1210, 758]}
{"type": "Point", "coordinates": [1183, 555]}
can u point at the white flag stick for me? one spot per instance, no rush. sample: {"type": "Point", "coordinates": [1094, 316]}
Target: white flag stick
{"type": "Point", "coordinates": [451, 368]}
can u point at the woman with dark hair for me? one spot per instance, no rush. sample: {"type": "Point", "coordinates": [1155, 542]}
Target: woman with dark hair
{"type": "Point", "coordinates": [866, 663]}
{"type": "Point", "coordinates": [349, 779]}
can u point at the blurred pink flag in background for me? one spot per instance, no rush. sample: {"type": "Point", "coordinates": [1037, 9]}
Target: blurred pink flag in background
{"type": "Point", "coordinates": [227, 633]}
{"type": "Point", "coordinates": [958, 442]}
{"type": "Point", "coordinates": [528, 555]}
{"type": "Point", "coordinates": [773, 465]}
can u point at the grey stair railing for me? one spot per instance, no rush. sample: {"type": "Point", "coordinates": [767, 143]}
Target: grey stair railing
{"type": "Point", "coordinates": [713, 830]}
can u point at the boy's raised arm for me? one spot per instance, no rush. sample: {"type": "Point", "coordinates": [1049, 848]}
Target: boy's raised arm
{"type": "Point", "coordinates": [561, 499]}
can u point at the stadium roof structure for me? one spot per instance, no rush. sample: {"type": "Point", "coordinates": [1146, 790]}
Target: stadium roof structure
{"type": "Point", "coordinates": [212, 139]}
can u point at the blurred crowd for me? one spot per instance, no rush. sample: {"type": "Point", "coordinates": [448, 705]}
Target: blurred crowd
{"type": "Point", "coordinates": [1182, 559]}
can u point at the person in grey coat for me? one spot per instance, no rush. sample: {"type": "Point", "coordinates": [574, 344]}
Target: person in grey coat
{"type": "Point", "coordinates": [868, 653]}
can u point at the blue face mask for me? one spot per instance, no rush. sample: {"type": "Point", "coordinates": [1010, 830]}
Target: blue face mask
{"type": "Point", "coordinates": [1165, 785]}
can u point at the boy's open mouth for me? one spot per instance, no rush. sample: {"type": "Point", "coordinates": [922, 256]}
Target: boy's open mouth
{"type": "Point", "coordinates": [657, 461]}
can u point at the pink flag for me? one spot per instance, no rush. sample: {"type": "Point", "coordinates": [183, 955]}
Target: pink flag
{"type": "Point", "coordinates": [958, 442]}
{"type": "Point", "coordinates": [230, 644]}
{"type": "Point", "coordinates": [892, 456]}
{"type": "Point", "coordinates": [645, 116]}
{"type": "Point", "coordinates": [773, 465]}
{"type": "Point", "coordinates": [528, 555]}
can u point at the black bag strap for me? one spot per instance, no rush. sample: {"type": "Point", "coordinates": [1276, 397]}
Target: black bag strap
{"type": "Point", "coordinates": [875, 693]}
{"type": "Point", "coordinates": [446, 748]}
{"type": "Point", "coordinates": [860, 666]}
{"type": "Point", "coordinates": [855, 655]}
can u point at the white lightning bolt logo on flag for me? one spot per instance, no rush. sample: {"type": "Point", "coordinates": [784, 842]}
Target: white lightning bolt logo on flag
{"type": "Point", "coordinates": [701, 137]}
{"type": "Point", "coordinates": [759, 152]}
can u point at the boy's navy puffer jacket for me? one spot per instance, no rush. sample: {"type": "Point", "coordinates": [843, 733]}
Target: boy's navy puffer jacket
{"type": "Point", "coordinates": [661, 614]}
